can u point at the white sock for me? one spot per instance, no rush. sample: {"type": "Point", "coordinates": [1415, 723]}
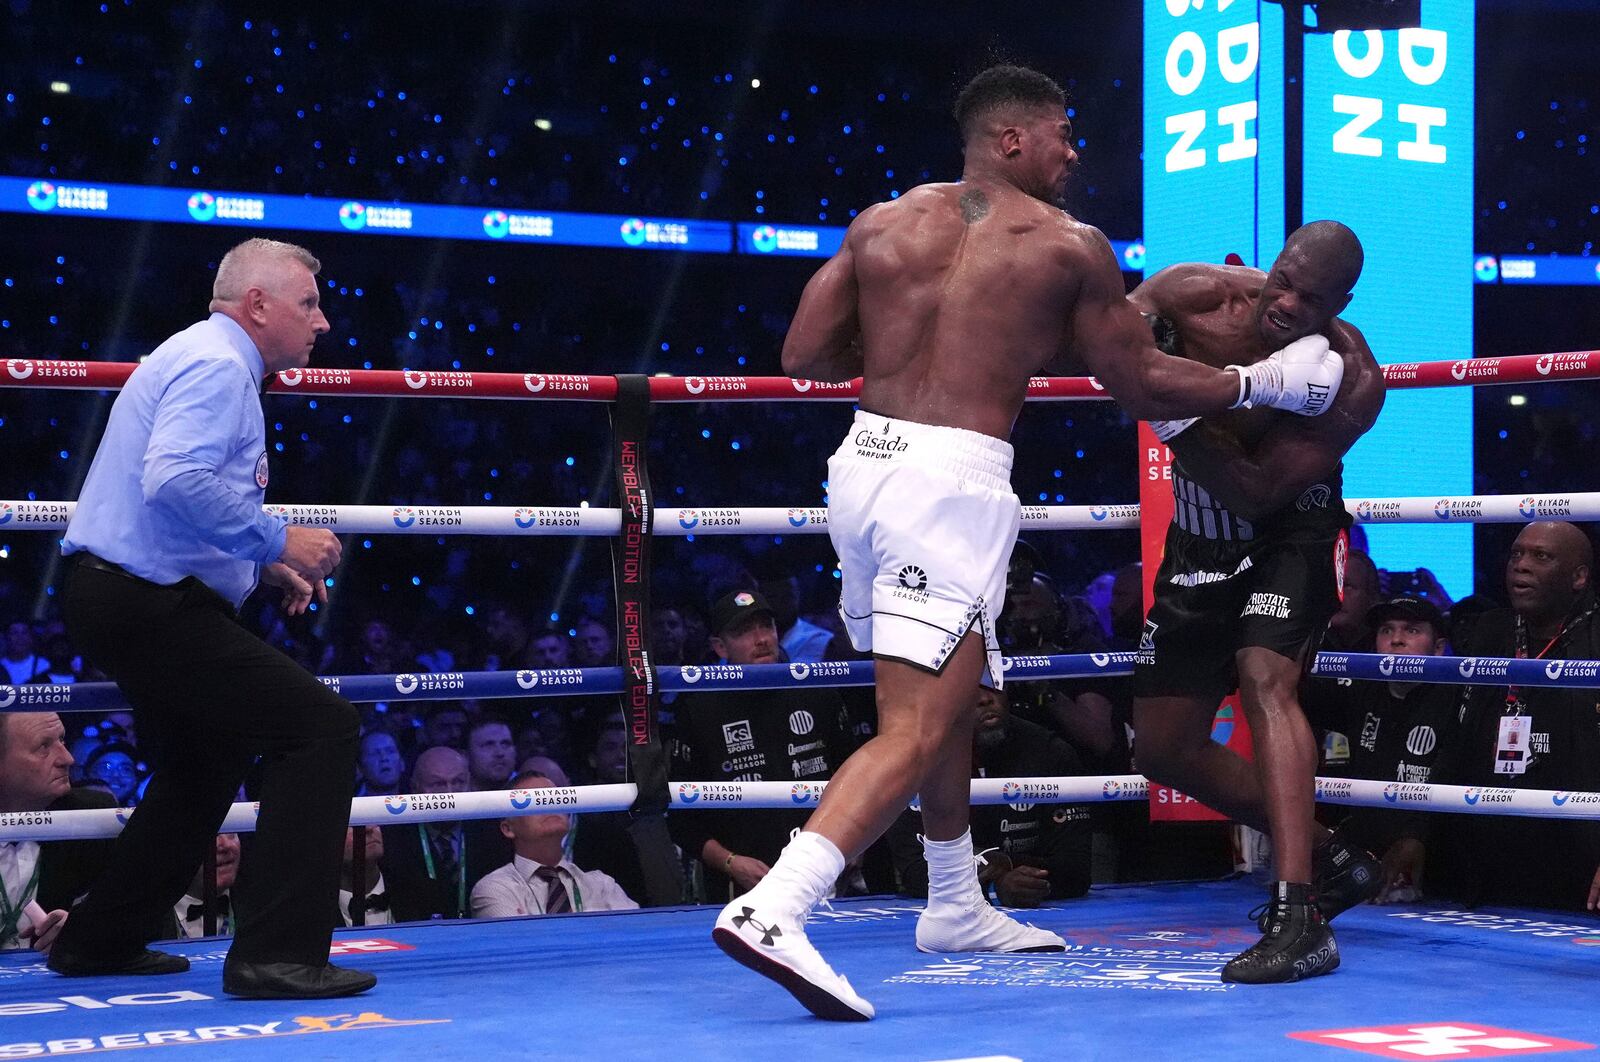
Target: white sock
{"type": "Point", "coordinates": [806, 871]}
{"type": "Point", "coordinates": [952, 873]}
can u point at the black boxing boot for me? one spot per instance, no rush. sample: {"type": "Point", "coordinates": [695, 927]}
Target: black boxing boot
{"type": "Point", "coordinates": [1344, 875]}
{"type": "Point", "coordinates": [1296, 944]}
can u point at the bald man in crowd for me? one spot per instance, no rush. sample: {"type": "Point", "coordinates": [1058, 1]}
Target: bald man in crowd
{"type": "Point", "coordinates": [168, 539]}
{"type": "Point", "coordinates": [430, 868]}
{"type": "Point", "coordinates": [1528, 737]}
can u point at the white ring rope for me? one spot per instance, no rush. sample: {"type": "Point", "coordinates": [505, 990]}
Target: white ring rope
{"type": "Point", "coordinates": [1088, 789]}
{"type": "Point", "coordinates": [536, 521]}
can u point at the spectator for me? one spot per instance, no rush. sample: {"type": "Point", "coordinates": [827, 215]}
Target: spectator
{"type": "Point", "coordinates": [593, 646]}
{"type": "Point", "coordinates": [540, 879]}
{"type": "Point", "coordinates": [34, 766]}
{"type": "Point", "coordinates": [798, 638]}
{"type": "Point", "coordinates": [431, 867]}
{"type": "Point", "coordinates": [1349, 630]}
{"type": "Point", "coordinates": [116, 766]}
{"type": "Point", "coordinates": [667, 634]}
{"type": "Point", "coordinates": [1036, 621]}
{"type": "Point", "coordinates": [60, 665]}
{"type": "Point", "coordinates": [507, 635]}
{"type": "Point", "coordinates": [1390, 731]}
{"type": "Point", "coordinates": [189, 913]}
{"type": "Point", "coordinates": [789, 734]}
{"type": "Point", "coordinates": [491, 754]}
{"type": "Point", "coordinates": [546, 766]}
{"type": "Point", "coordinates": [380, 764]}
{"type": "Point", "coordinates": [550, 649]}
{"type": "Point", "coordinates": [1031, 852]}
{"type": "Point", "coordinates": [1098, 595]}
{"type": "Point", "coordinates": [444, 725]}
{"type": "Point", "coordinates": [607, 840]}
{"type": "Point", "coordinates": [21, 662]}
{"type": "Point", "coordinates": [1127, 607]}
{"type": "Point", "coordinates": [376, 896]}
{"type": "Point", "coordinates": [1529, 737]}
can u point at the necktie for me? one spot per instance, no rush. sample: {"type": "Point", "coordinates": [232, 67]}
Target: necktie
{"type": "Point", "coordinates": [556, 900]}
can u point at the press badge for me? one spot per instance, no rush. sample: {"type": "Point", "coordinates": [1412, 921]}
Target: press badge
{"type": "Point", "coordinates": [1511, 752]}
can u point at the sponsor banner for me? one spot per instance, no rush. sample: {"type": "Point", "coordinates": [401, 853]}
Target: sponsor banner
{"type": "Point", "coordinates": [62, 1041]}
{"type": "Point", "coordinates": [796, 520]}
{"type": "Point", "coordinates": [1574, 932]}
{"type": "Point", "coordinates": [1460, 670]}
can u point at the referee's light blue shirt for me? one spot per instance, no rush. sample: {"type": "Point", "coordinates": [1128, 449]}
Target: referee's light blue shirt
{"type": "Point", "coordinates": [176, 487]}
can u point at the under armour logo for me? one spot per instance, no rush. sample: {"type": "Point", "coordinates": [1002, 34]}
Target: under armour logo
{"type": "Point", "coordinates": [768, 933]}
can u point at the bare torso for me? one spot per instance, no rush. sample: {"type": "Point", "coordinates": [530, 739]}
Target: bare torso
{"type": "Point", "coordinates": [964, 294]}
{"type": "Point", "coordinates": [1212, 307]}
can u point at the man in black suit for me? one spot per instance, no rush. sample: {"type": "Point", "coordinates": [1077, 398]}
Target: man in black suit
{"type": "Point", "coordinates": [431, 867]}
{"type": "Point", "coordinates": [35, 766]}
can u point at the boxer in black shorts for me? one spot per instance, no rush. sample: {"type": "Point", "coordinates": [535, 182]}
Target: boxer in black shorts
{"type": "Point", "coordinates": [1252, 572]}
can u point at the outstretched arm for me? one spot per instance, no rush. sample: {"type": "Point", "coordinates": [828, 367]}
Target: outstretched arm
{"type": "Point", "coordinates": [1107, 334]}
{"type": "Point", "coordinates": [824, 340]}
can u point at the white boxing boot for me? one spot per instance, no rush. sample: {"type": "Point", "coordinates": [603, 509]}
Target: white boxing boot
{"type": "Point", "coordinates": [765, 930]}
{"type": "Point", "coordinates": [959, 917]}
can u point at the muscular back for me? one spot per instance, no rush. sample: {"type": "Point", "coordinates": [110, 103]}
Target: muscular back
{"type": "Point", "coordinates": [964, 292]}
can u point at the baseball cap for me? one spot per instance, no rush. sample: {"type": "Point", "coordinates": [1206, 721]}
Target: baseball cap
{"type": "Point", "coordinates": [732, 607]}
{"type": "Point", "coordinates": [1407, 607]}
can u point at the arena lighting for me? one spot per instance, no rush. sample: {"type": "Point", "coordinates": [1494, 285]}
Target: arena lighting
{"type": "Point", "coordinates": [542, 123]}
{"type": "Point", "coordinates": [1517, 400]}
{"type": "Point", "coordinates": [60, 88]}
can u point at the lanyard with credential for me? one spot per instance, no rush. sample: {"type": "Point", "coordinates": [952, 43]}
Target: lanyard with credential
{"type": "Point", "coordinates": [461, 867]}
{"type": "Point", "coordinates": [11, 915]}
{"type": "Point", "coordinates": [1514, 693]}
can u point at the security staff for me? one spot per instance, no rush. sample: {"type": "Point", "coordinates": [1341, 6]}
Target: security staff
{"type": "Point", "coordinates": [1030, 852]}
{"type": "Point", "coordinates": [168, 540]}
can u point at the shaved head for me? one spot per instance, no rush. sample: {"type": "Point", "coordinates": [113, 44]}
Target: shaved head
{"type": "Point", "coordinates": [1332, 244]}
{"type": "Point", "coordinates": [1548, 570]}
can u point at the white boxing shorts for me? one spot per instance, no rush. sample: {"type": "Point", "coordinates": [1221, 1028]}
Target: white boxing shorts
{"type": "Point", "coordinates": [923, 518]}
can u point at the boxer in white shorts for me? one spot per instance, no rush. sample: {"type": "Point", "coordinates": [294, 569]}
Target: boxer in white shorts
{"type": "Point", "coordinates": [946, 301]}
{"type": "Point", "coordinates": [908, 595]}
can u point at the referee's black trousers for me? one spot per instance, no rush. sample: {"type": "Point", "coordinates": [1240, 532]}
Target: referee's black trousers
{"type": "Point", "coordinates": [209, 698]}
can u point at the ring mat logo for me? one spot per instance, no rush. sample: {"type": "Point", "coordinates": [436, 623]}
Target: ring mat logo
{"type": "Point", "coordinates": [913, 578]}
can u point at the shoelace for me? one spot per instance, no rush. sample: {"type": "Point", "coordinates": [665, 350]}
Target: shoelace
{"type": "Point", "coordinates": [1275, 926]}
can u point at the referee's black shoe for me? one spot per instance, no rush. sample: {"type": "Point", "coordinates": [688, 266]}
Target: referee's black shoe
{"type": "Point", "coordinates": [1296, 941]}
{"type": "Point", "coordinates": [289, 980]}
{"type": "Point", "coordinates": [139, 964]}
{"type": "Point", "coordinates": [1343, 875]}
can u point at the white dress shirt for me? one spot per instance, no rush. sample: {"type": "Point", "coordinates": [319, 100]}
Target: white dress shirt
{"type": "Point", "coordinates": [17, 862]}
{"type": "Point", "coordinates": [514, 890]}
{"type": "Point", "coordinates": [189, 928]}
{"type": "Point", "coordinates": [374, 918]}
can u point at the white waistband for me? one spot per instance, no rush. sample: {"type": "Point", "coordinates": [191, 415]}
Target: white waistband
{"type": "Point", "coordinates": [967, 454]}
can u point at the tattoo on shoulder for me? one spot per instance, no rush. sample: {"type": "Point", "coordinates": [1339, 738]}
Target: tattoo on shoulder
{"type": "Point", "coordinates": [974, 206]}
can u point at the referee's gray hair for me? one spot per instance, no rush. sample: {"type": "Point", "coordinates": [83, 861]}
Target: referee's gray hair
{"type": "Point", "coordinates": [241, 267]}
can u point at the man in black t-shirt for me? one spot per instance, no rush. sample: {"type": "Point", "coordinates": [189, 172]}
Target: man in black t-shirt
{"type": "Point", "coordinates": [1031, 852]}
{"type": "Point", "coordinates": [1389, 731]}
{"type": "Point", "coordinates": [793, 734]}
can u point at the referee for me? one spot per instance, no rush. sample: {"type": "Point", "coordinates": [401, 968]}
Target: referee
{"type": "Point", "coordinates": [168, 540]}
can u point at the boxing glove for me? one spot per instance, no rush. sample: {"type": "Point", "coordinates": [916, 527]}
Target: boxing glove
{"type": "Point", "coordinates": [1302, 378]}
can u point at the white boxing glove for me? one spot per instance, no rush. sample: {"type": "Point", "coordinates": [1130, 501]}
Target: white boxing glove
{"type": "Point", "coordinates": [1302, 378]}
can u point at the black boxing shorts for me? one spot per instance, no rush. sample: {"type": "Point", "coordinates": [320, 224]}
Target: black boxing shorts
{"type": "Point", "coordinates": [1214, 597]}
